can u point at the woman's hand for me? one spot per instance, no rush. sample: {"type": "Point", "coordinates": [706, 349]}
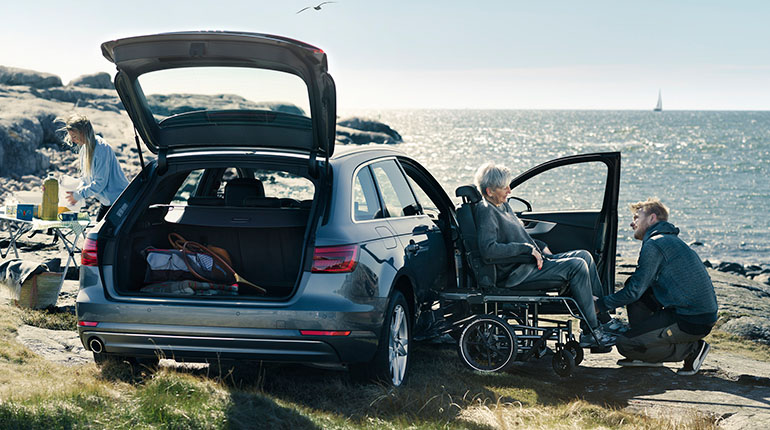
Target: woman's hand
{"type": "Point", "coordinates": [538, 257]}
{"type": "Point", "coordinates": [70, 198]}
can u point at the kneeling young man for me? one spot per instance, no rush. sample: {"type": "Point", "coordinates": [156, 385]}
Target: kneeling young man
{"type": "Point", "coordinates": [670, 299]}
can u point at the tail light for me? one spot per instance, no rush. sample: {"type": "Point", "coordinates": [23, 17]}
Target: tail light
{"type": "Point", "coordinates": [335, 259]}
{"type": "Point", "coordinates": [88, 323]}
{"type": "Point", "coordinates": [88, 255]}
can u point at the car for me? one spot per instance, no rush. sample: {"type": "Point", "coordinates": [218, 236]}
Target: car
{"type": "Point", "coordinates": [341, 255]}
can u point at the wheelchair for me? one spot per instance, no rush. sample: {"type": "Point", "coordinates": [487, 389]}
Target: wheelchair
{"type": "Point", "coordinates": [495, 327]}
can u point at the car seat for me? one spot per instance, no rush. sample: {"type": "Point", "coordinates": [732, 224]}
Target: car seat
{"type": "Point", "coordinates": [238, 190]}
{"type": "Point", "coordinates": [483, 270]}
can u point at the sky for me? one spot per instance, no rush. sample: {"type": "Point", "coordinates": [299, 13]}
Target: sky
{"type": "Point", "coordinates": [398, 54]}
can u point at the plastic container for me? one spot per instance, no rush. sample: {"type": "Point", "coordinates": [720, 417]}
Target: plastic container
{"type": "Point", "coordinates": [50, 206]}
{"type": "Point", "coordinates": [66, 184]}
{"type": "Point", "coordinates": [33, 198]}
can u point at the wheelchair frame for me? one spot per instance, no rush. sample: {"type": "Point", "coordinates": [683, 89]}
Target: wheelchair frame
{"type": "Point", "coordinates": [488, 341]}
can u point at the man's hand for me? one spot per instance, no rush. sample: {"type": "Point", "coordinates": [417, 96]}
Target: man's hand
{"type": "Point", "coordinates": [70, 198]}
{"type": "Point", "coordinates": [538, 257]}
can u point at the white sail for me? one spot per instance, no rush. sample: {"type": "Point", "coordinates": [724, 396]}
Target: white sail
{"type": "Point", "coordinates": [659, 106]}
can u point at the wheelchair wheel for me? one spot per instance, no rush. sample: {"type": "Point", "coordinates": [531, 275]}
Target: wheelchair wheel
{"type": "Point", "coordinates": [563, 363]}
{"type": "Point", "coordinates": [487, 344]}
{"type": "Point", "coordinates": [576, 350]}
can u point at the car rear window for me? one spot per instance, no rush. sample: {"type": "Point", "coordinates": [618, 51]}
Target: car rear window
{"type": "Point", "coordinates": [194, 94]}
{"type": "Point", "coordinates": [207, 186]}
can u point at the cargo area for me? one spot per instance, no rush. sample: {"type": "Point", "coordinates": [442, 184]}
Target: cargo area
{"type": "Point", "coordinates": [261, 229]}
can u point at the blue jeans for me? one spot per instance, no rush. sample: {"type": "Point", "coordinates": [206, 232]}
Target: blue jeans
{"type": "Point", "coordinates": [577, 268]}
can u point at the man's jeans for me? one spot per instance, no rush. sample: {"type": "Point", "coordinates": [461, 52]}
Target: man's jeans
{"type": "Point", "coordinates": [579, 269]}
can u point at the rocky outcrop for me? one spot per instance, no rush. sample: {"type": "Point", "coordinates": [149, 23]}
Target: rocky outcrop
{"type": "Point", "coordinates": [81, 97]}
{"type": "Point", "coordinates": [360, 131]}
{"type": "Point", "coordinates": [744, 304]}
{"type": "Point", "coordinates": [99, 80]}
{"type": "Point", "coordinates": [752, 271]}
{"type": "Point", "coordinates": [172, 104]}
{"type": "Point", "coordinates": [13, 76]}
{"type": "Point", "coordinates": [754, 328]}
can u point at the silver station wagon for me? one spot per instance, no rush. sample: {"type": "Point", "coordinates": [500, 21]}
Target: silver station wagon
{"type": "Point", "coordinates": [337, 257]}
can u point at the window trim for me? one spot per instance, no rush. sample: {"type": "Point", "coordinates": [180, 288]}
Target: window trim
{"type": "Point", "coordinates": [379, 194]}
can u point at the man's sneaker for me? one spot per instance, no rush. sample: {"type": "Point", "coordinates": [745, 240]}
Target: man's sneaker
{"type": "Point", "coordinates": [693, 362]}
{"type": "Point", "coordinates": [615, 326]}
{"type": "Point", "coordinates": [589, 341]}
{"type": "Point", "coordinates": [627, 362]}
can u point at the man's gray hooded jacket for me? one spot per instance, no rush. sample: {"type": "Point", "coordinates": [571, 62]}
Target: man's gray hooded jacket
{"type": "Point", "coordinates": [677, 276]}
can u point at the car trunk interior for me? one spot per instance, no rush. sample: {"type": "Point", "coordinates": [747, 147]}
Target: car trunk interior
{"type": "Point", "coordinates": [262, 236]}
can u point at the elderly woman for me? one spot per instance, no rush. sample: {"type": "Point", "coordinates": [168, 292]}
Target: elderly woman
{"type": "Point", "coordinates": [100, 172]}
{"type": "Point", "coordinates": [501, 234]}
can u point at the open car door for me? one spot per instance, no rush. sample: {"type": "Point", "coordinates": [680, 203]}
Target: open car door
{"type": "Point", "coordinates": [572, 203]}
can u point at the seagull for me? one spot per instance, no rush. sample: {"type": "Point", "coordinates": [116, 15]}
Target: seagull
{"type": "Point", "coordinates": [315, 7]}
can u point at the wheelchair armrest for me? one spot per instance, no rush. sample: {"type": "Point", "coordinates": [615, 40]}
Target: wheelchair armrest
{"type": "Point", "coordinates": [517, 259]}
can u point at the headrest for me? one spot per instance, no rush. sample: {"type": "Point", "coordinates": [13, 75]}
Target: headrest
{"type": "Point", "coordinates": [237, 190]}
{"type": "Point", "coordinates": [469, 194]}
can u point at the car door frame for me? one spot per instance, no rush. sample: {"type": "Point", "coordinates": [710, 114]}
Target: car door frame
{"type": "Point", "coordinates": [605, 241]}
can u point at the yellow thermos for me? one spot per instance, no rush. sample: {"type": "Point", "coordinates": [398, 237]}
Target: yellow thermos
{"type": "Point", "coordinates": [50, 207]}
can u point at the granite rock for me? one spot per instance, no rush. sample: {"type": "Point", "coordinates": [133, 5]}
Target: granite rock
{"type": "Point", "coordinates": [13, 76]}
{"type": "Point", "coordinates": [100, 80]}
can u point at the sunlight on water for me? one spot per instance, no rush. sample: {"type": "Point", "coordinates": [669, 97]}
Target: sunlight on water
{"type": "Point", "coordinates": [710, 168]}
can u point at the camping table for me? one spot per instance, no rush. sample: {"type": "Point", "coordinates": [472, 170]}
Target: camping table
{"type": "Point", "coordinates": [62, 231]}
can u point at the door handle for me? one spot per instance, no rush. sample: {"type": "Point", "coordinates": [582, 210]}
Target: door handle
{"type": "Point", "coordinates": [412, 248]}
{"type": "Point", "coordinates": [421, 229]}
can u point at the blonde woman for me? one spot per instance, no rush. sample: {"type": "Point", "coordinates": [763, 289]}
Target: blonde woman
{"type": "Point", "coordinates": [100, 172]}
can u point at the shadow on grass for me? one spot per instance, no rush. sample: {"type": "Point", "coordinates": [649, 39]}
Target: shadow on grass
{"type": "Point", "coordinates": [438, 390]}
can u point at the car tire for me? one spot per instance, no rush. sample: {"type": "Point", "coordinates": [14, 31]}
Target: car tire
{"type": "Point", "coordinates": [391, 361]}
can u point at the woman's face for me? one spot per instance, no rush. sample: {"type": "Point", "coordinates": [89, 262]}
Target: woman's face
{"type": "Point", "coordinates": [76, 137]}
{"type": "Point", "coordinates": [498, 196]}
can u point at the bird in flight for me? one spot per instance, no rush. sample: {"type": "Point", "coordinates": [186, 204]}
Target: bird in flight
{"type": "Point", "coordinates": [315, 7]}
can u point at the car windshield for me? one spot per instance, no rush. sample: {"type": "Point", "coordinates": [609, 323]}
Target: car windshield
{"type": "Point", "coordinates": [195, 92]}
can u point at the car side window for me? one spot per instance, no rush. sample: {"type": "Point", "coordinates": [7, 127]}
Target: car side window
{"type": "Point", "coordinates": [366, 205]}
{"type": "Point", "coordinates": [428, 206]}
{"type": "Point", "coordinates": [396, 195]}
{"type": "Point", "coordinates": [188, 187]}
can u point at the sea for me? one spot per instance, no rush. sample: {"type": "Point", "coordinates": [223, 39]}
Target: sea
{"type": "Point", "coordinates": [711, 168]}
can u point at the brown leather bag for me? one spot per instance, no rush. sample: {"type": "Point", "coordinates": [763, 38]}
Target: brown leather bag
{"type": "Point", "coordinates": [220, 255]}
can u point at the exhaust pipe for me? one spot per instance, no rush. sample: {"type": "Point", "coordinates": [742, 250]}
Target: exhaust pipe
{"type": "Point", "coordinates": [95, 344]}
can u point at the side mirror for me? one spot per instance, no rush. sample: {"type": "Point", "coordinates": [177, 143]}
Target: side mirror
{"type": "Point", "coordinates": [529, 206]}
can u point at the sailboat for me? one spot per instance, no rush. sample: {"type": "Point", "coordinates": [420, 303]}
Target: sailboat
{"type": "Point", "coordinates": [659, 106]}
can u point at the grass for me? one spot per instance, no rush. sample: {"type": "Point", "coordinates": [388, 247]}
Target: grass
{"type": "Point", "coordinates": [442, 394]}
{"type": "Point", "coordinates": [52, 318]}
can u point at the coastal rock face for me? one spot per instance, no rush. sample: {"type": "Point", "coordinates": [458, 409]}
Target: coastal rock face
{"type": "Point", "coordinates": [99, 80]}
{"type": "Point", "coordinates": [753, 328]}
{"type": "Point", "coordinates": [84, 97]}
{"type": "Point", "coordinates": [20, 139]}
{"type": "Point", "coordinates": [744, 304]}
{"type": "Point", "coordinates": [172, 104]}
{"type": "Point", "coordinates": [360, 131]}
{"type": "Point", "coordinates": [13, 76]}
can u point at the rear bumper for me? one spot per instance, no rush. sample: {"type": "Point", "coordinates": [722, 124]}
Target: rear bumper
{"type": "Point", "coordinates": [204, 330]}
{"type": "Point", "coordinates": [203, 343]}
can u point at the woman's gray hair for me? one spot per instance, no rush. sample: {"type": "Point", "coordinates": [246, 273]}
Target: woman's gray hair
{"type": "Point", "coordinates": [492, 176]}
